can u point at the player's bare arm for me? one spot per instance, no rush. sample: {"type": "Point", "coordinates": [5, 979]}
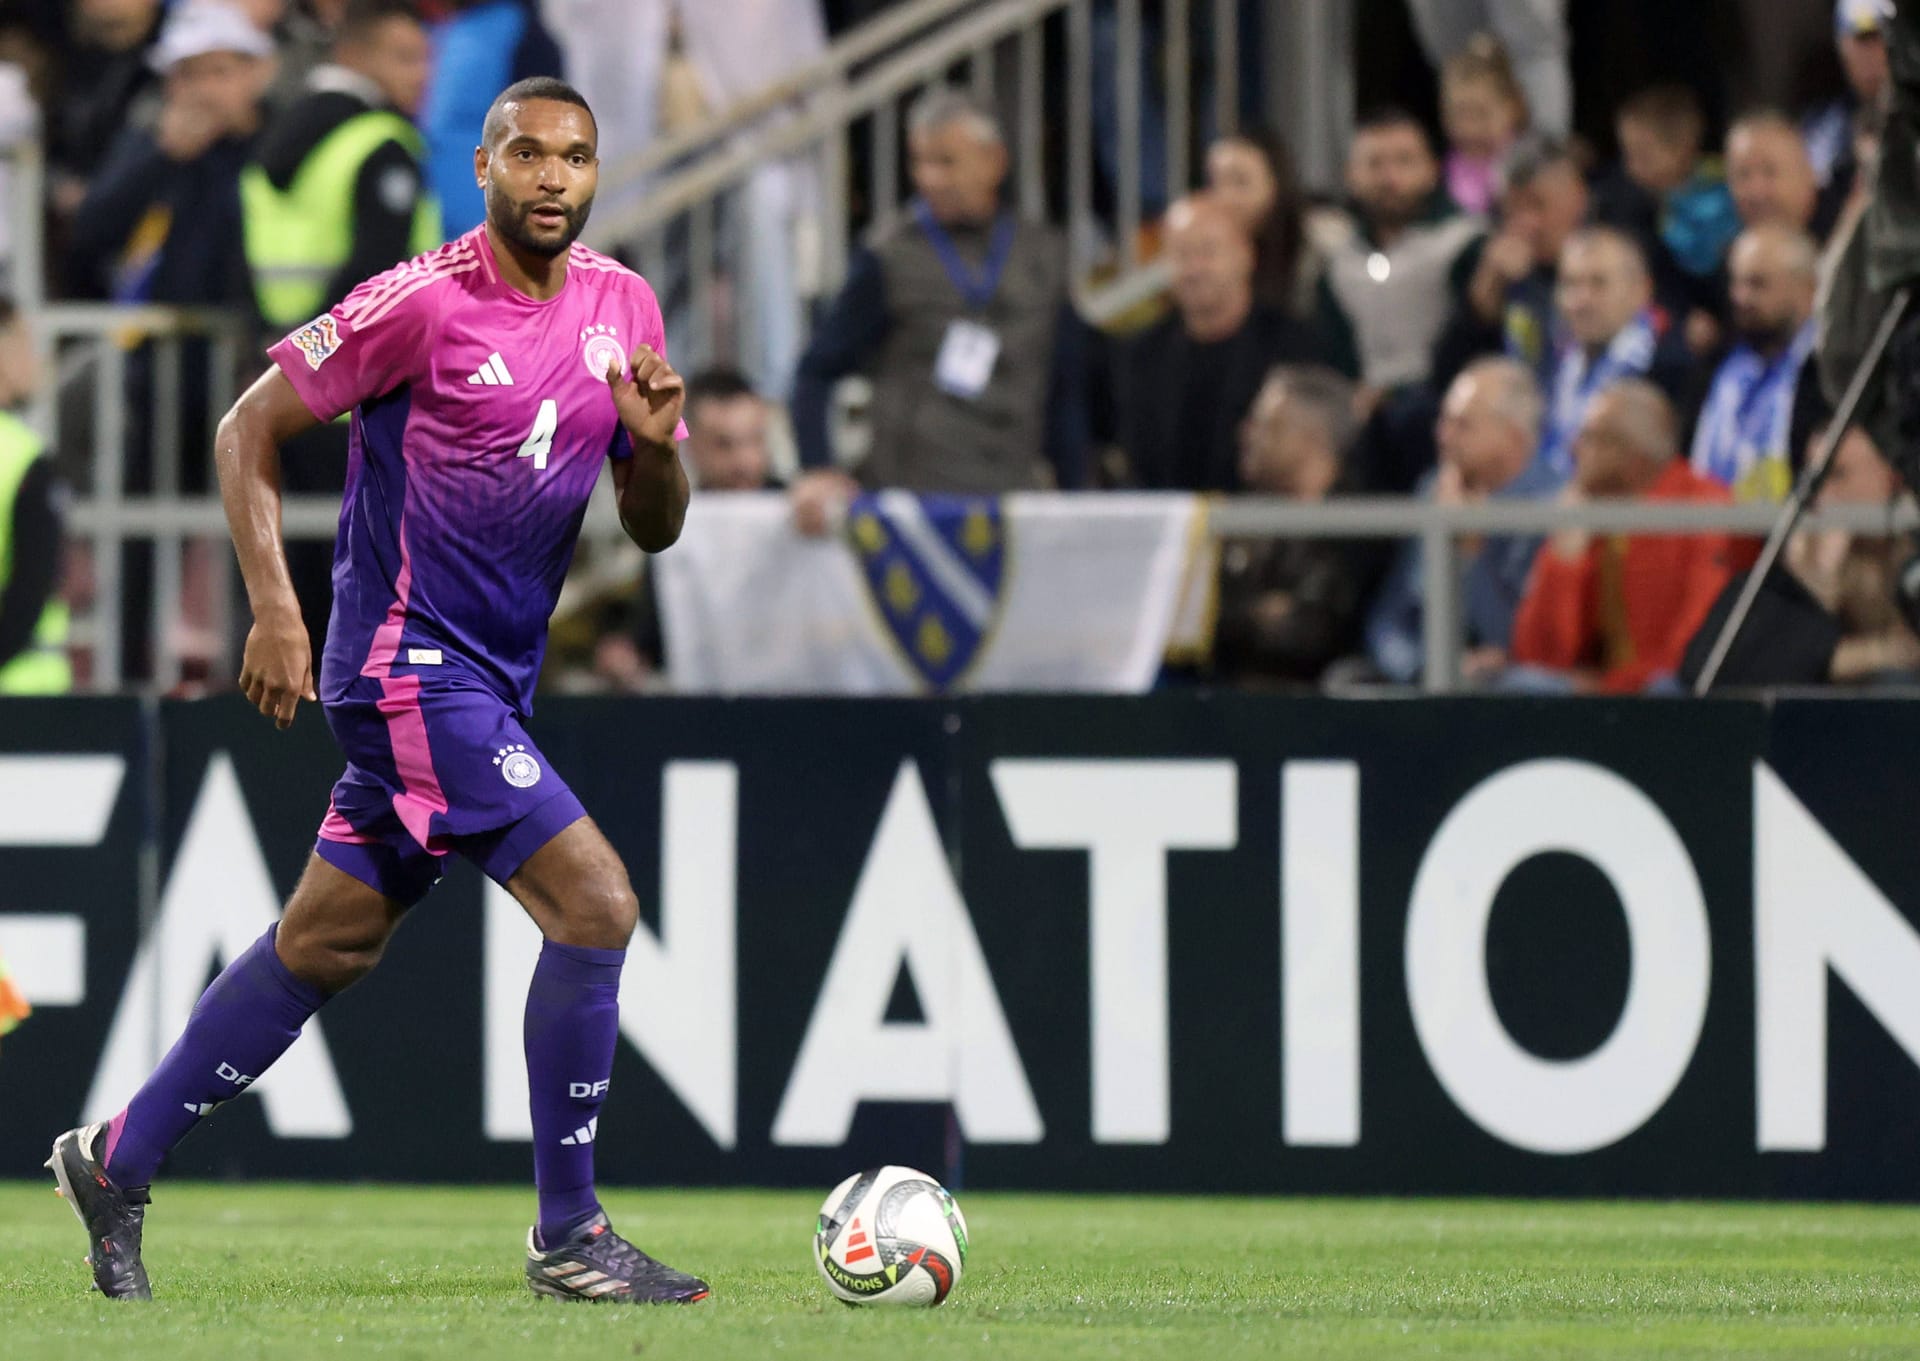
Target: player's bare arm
{"type": "Point", "coordinates": [652, 485]}
{"type": "Point", "coordinates": [277, 670]}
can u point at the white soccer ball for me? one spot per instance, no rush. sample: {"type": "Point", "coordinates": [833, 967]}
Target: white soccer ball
{"type": "Point", "coordinates": [890, 1235]}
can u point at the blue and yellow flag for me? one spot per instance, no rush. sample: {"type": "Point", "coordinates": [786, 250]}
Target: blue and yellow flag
{"type": "Point", "coordinates": [935, 567]}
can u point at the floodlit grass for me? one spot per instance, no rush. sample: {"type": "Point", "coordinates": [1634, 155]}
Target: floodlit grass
{"type": "Point", "coordinates": [288, 1272]}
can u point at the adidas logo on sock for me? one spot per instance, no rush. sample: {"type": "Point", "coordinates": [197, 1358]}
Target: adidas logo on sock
{"type": "Point", "coordinates": [201, 1107]}
{"type": "Point", "coordinates": [583, 1135]}
{"type": "Point", "coordinates": [493, 373]}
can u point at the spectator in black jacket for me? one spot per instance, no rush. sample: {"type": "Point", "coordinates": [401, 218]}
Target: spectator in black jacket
{"type": "Point", "coordinates": [106, 72]}
{"type": "Point", "coordinates": [1185, 384]}
{"type": "Point", "coordinates": [1508, 307]}
{"type": "Point", "coordinates": [161, 221]}
{"type": "Point", "coordinates": [1290, 607]}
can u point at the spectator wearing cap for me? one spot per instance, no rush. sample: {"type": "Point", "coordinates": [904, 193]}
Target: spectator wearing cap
{"type": "Point", "coordinates": [1508, 306]}
{"type": "Point", "coordinates": [1487, 434]}
{"type": "Point", "coordinates": [1859, 34]}
{"type": "Point", "coordinates": [161, 221]}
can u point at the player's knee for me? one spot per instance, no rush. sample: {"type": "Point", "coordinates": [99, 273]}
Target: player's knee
{"type": "Point", "coordinates": [331, 963]}
{"type": "Point", "coordinates": [603, 917]}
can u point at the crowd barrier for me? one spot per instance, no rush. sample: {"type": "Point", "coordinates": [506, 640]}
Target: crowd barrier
{"type": "Point", "coordinates": [1183, 942]}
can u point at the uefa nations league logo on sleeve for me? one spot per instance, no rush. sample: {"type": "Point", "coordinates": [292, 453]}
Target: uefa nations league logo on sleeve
{"type": "Point", "coordinates": [317, 340]}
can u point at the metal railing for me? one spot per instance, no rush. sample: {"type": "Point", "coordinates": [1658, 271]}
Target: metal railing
{"type": "Point", "coordinates": [1437, 529]}
{"type": "Point", "coordinates": [1011, 53]}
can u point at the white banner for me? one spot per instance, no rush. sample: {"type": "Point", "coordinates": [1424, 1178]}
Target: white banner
{"type": "Point", "coordinates": [937, 593]}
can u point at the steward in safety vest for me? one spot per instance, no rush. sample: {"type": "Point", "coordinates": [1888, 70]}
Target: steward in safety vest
{"type": "Point", "coordinates": [337, 191]}
{"type": "Point", "coordinates": [33, 619]}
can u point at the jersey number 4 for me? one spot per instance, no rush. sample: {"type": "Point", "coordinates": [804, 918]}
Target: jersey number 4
{"type": "Point", "coordinates": [539, 442]}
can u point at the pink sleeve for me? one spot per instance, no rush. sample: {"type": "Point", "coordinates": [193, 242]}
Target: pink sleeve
{"type": "Point", "coordinates": [373, 342]}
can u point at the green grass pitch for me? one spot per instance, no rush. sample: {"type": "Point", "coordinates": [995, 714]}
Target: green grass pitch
{"type": "Point", "coordinates": [287, 1272]}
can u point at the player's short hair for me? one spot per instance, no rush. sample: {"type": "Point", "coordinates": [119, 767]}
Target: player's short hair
{"type": "Point", "coordinates": [9, 311]}
{"type": "Point", "coordinates": [719, 384]}
{"type": "Point", "coordinates": [945, 105]}
{"type": "Point", "coordinates": [1673, 113]}
{"type": "Point", "coordinates": [521, 91]}
{"type": "Point", "coordinates": [362, 17]}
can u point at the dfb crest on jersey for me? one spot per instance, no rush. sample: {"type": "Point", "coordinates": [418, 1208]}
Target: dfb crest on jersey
{"type": "Point", "coordinates": [317, 340]}
{"type": "Point", "coordinates": [600, 349]}
{"type": "Point", "coordinates": [935, 567]}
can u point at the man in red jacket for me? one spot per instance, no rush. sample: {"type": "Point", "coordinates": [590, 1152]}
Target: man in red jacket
{"type": "Point", "coordinates": [1613, 614]}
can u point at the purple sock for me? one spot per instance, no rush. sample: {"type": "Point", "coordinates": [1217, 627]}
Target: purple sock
{"type": "Point", "coordinates": [243, 1022]}
{"type": "Point", "coordinates": [573, 1019]}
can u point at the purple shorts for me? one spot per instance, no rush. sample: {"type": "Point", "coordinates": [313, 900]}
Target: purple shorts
{"type": "Point", "coordinates": [433, 771]}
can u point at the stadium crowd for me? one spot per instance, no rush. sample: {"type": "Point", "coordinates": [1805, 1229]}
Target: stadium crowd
{"type": "Point", "coordinates": [1493, 313]}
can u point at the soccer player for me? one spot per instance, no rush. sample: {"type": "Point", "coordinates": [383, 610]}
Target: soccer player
{"type": "Point", "coordinates": [488, 382]}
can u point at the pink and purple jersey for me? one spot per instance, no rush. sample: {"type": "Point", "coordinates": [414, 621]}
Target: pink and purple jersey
{"type": "Point", "coordinates": [481, 419]}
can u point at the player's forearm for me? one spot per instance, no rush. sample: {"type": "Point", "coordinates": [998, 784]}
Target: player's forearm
{"type": "Point", "coordinates": [249, 466]}
{"type": "Point", "coordinates": [653, 505]}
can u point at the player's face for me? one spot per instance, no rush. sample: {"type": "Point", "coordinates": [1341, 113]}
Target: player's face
{"type": "Point", "coordinates": [540, 175]}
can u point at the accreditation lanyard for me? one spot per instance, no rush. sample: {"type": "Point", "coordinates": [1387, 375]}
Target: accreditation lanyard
{"type": "Point", "coordinates": [976, 286]}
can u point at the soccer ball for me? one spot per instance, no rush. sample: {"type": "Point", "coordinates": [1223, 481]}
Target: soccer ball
{"type": "Point", "coordinates": [890, 1235]}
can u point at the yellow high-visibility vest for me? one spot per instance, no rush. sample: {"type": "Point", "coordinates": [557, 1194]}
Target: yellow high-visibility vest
{"type": "Point", "coordinates": [297, 239]}
{"type": "Point", "coordinates": [42, 668]}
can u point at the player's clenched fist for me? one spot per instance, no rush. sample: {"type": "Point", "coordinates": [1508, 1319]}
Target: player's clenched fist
{"type": "Point", "coordinates": [277, 671]}
{"type": "Point", "coordinates": [649, 398]}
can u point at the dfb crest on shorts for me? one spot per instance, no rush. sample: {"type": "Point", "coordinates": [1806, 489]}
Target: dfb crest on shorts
{"type": "Point", "coordinates": [518, 768]}
{"type": "Point", "coordinates": [317, 340]}
{"type": "Point", "coordinates": [935, 567]}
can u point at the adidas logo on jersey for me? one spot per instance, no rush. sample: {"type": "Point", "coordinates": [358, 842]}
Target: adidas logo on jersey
{"type": "Point", "coordinates": [583, 1135]}
{"type": "Point", "coordinates": [493, 373]}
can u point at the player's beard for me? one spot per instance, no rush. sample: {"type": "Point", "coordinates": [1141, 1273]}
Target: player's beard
{"type": "Point", "coordinates": [513, 219]}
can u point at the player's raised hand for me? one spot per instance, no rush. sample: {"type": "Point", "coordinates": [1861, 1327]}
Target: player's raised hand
{"type": "Point", "coordinates": [649, 398]}
{"type": "Point", "coordinates": [276, 672]}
